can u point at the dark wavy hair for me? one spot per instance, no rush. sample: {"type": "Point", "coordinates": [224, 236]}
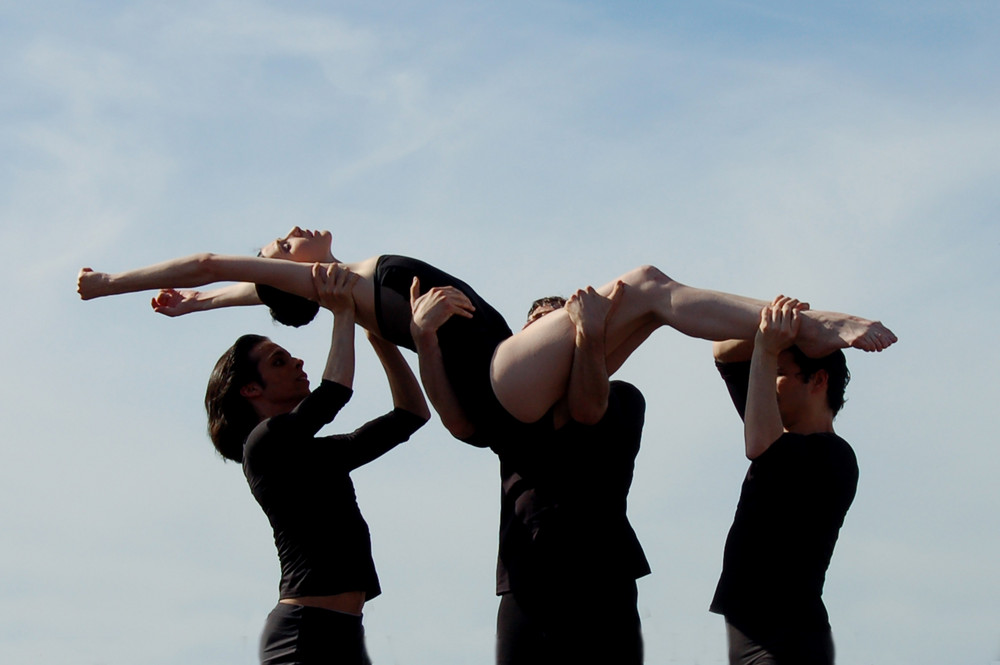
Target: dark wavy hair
{"type": "Point", "coordinates": [555, 302]}
{"type": "Point", "coordinates": [838, 376]}
{"type": "Point", "coordinates": [231, 417]}
{"type": "Point", "coordinates": [287, 308]}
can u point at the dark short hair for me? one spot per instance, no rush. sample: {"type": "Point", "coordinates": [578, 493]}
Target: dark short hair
{"type": "Point", "coordinates": [838, 376]}
{"type": "Point", "coordinates": [287, 308]}
{"type": "Point", "coordinates": [231, 417]}
{"type": "Point", "coordinates": [555, 302]}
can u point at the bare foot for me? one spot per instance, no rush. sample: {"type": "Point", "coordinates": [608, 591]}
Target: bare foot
{"type": "Point", "coordinates": [824, 332]}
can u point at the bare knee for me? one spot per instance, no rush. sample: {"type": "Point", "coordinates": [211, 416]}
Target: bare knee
{"type": "Point", "coordinates": [647, 276]}
{"type": "Point", "coordinates": [652, 293]}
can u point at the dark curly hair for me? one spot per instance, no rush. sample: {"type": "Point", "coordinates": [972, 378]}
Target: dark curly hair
{"type": "Point", "coordinates": [231, 417]}
{"type": "Point", "coordinates": [555, 302]}
{"type": "Point", "coordinates": [838, 376]}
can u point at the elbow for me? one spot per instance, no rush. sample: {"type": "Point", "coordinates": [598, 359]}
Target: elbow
{"type": "Point", "coordinates": [462, 430]}
{"type": "Point", "coordinates": [732, 350]}
{"type": "Point", "coordinates": [422, 411]}
{"type": "Point", "coordinates": [719, 351]}
{"type": "Point", "coordinates": [207, 265]}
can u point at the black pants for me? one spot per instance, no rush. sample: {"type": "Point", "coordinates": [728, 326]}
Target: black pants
{"type": "Point", "coordinates": [804, 648]}
{"type": "Point", "coordinates": [299, 635]}
{"type": "Point", "coordinates": [570, 629]}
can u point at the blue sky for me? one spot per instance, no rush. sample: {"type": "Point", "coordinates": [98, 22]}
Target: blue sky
{"type": "Point", "coordinates": [845, 154]}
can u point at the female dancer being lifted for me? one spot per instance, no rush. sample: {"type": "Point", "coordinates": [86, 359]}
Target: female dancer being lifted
{"type": "Point", "coordinates": [500, 377]}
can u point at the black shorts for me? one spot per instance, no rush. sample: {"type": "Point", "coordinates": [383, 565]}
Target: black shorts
{"type": "Point", "coordinates": [300, 635]}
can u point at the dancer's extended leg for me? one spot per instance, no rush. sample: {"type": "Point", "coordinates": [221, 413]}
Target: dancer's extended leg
{"type": "Point", "coordinates": [530, 370]}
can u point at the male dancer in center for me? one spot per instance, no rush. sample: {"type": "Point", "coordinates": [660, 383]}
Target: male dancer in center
{"type": "Point", "coordinates": [568, 559]}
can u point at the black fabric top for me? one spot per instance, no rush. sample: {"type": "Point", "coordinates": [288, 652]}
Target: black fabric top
{"type": "Point", "coordinates": [302, 483]}
{"type": "Point", "coordinates": [791, 508]}
{"type": "Point", "coordinates": [563, 520]}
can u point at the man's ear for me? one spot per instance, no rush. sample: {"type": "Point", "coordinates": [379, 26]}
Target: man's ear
{"type": "Point", "coordinates": [819, 380]}
{"type": "Point", "coordinates": [251, 389]}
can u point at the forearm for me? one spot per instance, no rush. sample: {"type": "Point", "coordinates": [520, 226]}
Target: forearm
{"type": "Point", "coordinates": [340, 361]}
{"type": "Point", "coordinates": [185, 272]}
{"type": "Point", "coordinates": [405, 389]}
{"type": "Point", "coordinates": [439, 388]}
{"type": "Point", "coordinates": [762, 423]}
{"type": "Point", "coordinates": [199, 270]}
{"type": "Point", "coordinates": [174, 302]}
{"type": "Point", "coordinates": [235, 295]}
{"type": "Point", "coordinates": [377, 437]}
{"type": "Point", "coordinates": [587, 395]}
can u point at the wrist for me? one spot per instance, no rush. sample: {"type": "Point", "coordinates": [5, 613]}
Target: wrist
{"type": "Point", "coordinates": [344, 316]}
{"type": "Point", "coordinates": [765, 349]}
{"type": "Point", "coordinates": [590, 343]}
{"type": "Point", "coordinates": [423, 338]}
{"type": "Point", "coordinates": [106, 285]}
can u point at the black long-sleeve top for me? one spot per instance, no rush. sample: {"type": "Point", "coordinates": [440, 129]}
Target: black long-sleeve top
{"type": "Point", "coordinates": [302, 483]}
{"type": "Point", "coordinates": [563, 510]}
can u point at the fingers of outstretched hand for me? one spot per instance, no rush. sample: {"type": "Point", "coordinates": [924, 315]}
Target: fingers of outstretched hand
{"type": "Point", "coordinates": [162, 300]}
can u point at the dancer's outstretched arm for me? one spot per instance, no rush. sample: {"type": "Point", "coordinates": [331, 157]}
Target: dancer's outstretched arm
{"type": "Point", "coordinates": [200, 270]}
{"type": "Point", "coordinates": [174, 302]}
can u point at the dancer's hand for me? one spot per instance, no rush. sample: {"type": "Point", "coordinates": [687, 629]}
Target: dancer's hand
{"type": "Point", "coordinates": [90, 284]}
{"type": "Point", "coordinates": [173, 302]}
{"type": "Point", "coordinates": [431, 310]}
{"type": "Point", "coordinates": [589, 310]}
{"type": "Point", "coordinates": [334, 287]}
{"type": "Point", "coordinates": [779, 324]}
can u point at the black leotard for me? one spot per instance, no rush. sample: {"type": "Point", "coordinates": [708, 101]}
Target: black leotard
{"type": "Point", "coordinates": [467, 344]}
